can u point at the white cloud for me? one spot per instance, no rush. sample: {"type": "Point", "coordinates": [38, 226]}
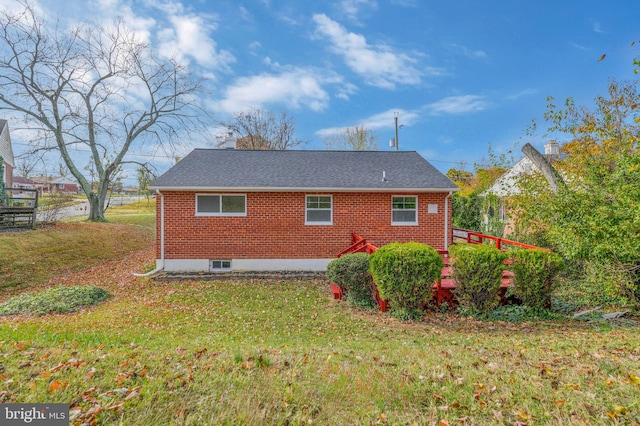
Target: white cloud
{"type": "Point", "coordinates": [142, 27]}
{"type": "Point", "coordinates": [287, 15]}
{"type": "Point", "coordinates": [189, 36]}
{"type": "Point", "coordinates": [579, 46]}
{"type": "Point", "coordinates": [293, 87]}
{"type": "Point", "coordinates": [382, 120]}
{"type": "Point", "coordinates": [379, 65]}
{"type": "Point", "coordinates": [245, 14]}
{"type": "Point", "coordinates": [12, 6]}
{"type": "Point", "coordinates": [522, 93]}
{"type": "Point", "coordinates": [470, 53]}
{"type": "Point", "coordinates": [254, 46]}
{"type": "Point", "coordinates": [405, 3]}
{"type": "Point", "coordinates": [352, 8]}
{"type": "Point", "coordinates": [457, 105]}
{"type": "Point", "coordinates": [598, 28]}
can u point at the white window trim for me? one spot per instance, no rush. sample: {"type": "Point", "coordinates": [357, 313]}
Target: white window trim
{"type": "Point", "coordinates": [221, 213]}
{"type": "Point", "coordinates": [306, 209]}
{"type": "Point", "coordinates": [416, 210]}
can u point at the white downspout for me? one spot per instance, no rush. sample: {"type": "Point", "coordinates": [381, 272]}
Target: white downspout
{"type": "Point", "coordinates": [159, 267]}
{"type": "Point", "coordinates": [446, 220]}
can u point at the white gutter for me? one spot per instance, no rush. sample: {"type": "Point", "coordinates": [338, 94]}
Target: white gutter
{"type": "Point", "coordinates": [446, 221]}
{"type": "Point", "coordinates": [161, 266]}
{"type": "Point", "coordinates": [298, 189]}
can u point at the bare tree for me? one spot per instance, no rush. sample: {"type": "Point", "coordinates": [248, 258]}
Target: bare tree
{"type": "Point", "coordinates": [93, 89]}
{"type": "Point", "coordinates": [356, 138]}
{"type": "Point", "coordinates": [26, 163]}
{"type": "Point", "coordinates": [260, 129]}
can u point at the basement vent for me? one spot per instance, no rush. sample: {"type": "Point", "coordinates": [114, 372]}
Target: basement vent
{"type": "Point", "coordinates": [219, 265]}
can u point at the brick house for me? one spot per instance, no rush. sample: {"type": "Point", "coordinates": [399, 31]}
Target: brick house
{"type": "Point", "coordinates": [227, 209]}
{"type": "Point", "coordinates": [55, 184]}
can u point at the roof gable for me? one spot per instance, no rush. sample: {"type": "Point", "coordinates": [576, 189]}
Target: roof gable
{"type": "Point", "coordinates": [260, 170]}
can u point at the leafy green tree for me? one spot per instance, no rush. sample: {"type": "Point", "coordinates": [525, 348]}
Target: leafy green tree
{"type": "Point", "coordinates": [473, 207]}
{"type": "Point", "coordinates": [145, 177]}
{"type": "Point", "coordinates": [593, 219]}
{"type": "Point", "coordinates": [467, 212]}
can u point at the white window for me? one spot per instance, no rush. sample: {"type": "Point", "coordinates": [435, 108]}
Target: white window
{"type": "Point", "coordinates": [404, 210]}
{"type": "Point", "coordinates": [221, 205]}
{"type": "Point", "coordinates": [219, 265]}
{"type": "Point", "coordinates": [319, 210]}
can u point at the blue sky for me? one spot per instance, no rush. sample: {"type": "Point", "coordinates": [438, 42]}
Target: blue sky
{"type": "Point", "coordinates": [461, 74]}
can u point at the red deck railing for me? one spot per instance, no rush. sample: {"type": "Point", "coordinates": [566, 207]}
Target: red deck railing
{"type": "Point", "coordinates": [473, 237]}
{"type": "Point", "coordinates": [444, 286]}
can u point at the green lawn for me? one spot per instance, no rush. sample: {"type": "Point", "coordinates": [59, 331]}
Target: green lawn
{"type": "Point", "coordinates": [261, 352]}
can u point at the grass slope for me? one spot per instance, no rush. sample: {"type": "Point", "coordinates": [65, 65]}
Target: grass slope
{"type": "Point", "coordinates": [33, 257]}
{"type": "Point", "coordinates": [274, 353]}
{"type": "Point", "coordinates": [208, 353]}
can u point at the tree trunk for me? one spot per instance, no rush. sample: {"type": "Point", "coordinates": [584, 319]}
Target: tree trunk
{"type": "Point", "coordinates": [96, 208]}
{"type": "Point", "coordinates": [549, 172]}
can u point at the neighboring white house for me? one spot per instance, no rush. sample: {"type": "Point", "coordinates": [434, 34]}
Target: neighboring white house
{"type": "Point", "coordinates": [507, 184]}
{"type": "Point", "coordinates": [6, 152]}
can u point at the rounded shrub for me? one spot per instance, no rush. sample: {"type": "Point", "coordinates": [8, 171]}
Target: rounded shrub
{"type": "Point", "coordinates": [535, 272]}
{"type": "Point", "coordinates": [477, 270]}
{"type": "Point", "coordinates": [351, 273]}
{"type": "Point", "coordinates": [404, 275]}
{"type": "Point", "coordinates": [54, 300]}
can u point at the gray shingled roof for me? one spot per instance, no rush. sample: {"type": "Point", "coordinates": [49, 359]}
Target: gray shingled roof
{"type": "Point", "coordinates": [230, 169]}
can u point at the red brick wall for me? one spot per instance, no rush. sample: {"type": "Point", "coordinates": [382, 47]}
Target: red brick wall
{"type": "Point", "coordinates": [274, 226]}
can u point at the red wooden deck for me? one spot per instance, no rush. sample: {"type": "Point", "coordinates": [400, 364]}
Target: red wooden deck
{"type": "Point", "coordinates": [444, 287]}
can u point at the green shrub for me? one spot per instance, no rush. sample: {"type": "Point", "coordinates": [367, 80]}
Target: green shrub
{"type": "Point", "coordinates": [404, 275]}
{"type": "Point", "coordinates": [351, 272]}
{"type": "Point", "coordinates": [535, 273]}
{"type": "Point", "coordinates": [54, 300]}
{"type": "Point", "coordinates": [477, 270]}
{"type": "Point", "coordinates": [604, 283]}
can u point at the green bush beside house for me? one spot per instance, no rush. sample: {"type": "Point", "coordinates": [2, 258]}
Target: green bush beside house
{"type": "Point", "coordinates": [534, 276]}
{"type": "Point", "coordinates": [351, 273]}
{"type": "Point", "coordinates": [404, 275]}
{"type": "Point", "coordinates": [477, 270]}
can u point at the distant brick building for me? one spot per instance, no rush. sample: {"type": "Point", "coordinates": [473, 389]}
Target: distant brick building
{"type": "Point", "coordinates": [226, 209]}
{"type": "Point", "coordinates": [55, 185]}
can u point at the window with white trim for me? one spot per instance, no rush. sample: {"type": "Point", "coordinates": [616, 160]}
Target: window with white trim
{"type": "Point", "coordinates": [404, 210]}
{"type": "Point", "coordinates": [319, 210]}
{"type": "Point", "coordinates": [221, 205]}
